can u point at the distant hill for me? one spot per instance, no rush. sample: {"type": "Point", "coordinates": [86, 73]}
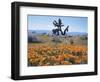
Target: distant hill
{"type": "Point", "coordinates": [77, 33]}
{"type": "Point", "coordinates": [35, 32]}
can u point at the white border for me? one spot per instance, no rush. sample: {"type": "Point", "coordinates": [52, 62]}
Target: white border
{"type": "Point", "coordinates": [24, 70]}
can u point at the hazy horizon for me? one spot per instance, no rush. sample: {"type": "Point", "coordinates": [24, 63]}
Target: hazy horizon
{"type": "Point", "coordinates": [51, 31]}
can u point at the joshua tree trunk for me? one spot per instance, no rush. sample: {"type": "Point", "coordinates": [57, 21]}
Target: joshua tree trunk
{"type": "Point", "coordinates": [61, 31]}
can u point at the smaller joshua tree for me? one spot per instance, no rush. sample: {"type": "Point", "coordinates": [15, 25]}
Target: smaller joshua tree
{"type": "Point", "coordinates": [59, 29]}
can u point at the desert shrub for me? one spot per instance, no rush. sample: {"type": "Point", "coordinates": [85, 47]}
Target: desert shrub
{"type": "Point", "coordinates": [33, 40]}
{"type": "Point", "coordinates": [71, 41]}
{"type": "Point", "coordinates": [29, 39]}
{"type": "Point", "coordinates": [70, 36]}
{"type": "Point", "coordinates": [56, 39]}
{"type": "Point", "coordinates": [83, 37]}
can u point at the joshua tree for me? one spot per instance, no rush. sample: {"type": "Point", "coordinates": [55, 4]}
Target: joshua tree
{"type": "Point", "coordinates": [57, 24]}
{"type": "Point", "coordinates": [58, 29]}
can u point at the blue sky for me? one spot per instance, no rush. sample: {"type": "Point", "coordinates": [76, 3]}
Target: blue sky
{"type": "Point", "coordinates": [76, 24]}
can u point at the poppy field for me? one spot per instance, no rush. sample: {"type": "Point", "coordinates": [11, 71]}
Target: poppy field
{"type": "Point", "coordinates": [61, 54]}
